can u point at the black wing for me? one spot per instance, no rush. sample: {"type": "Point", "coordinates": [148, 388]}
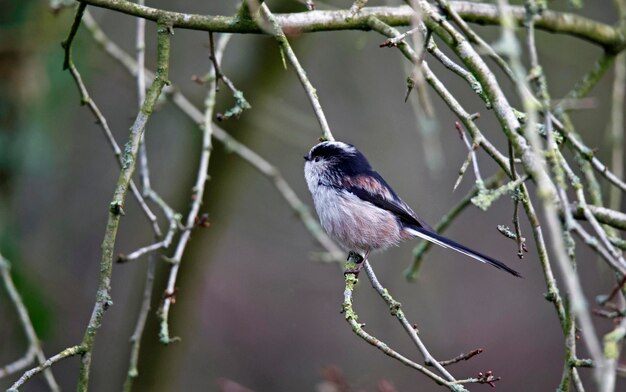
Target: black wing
{"type": "Point", "coordinates": [371, 187]}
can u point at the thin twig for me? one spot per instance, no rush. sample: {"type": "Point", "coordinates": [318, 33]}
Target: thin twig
{"type": "Point", "coordinates": [68, 352]}
{"type": "Point", "coordinates": [34, 346]}
{"type": "Point", "coordinates": [585, 156]}
{"type": "Point", "coordinates": [391, 42]}
{"type": "Point", "coordinates": [163, 244]}
{"type": "Point", "coordinates": [471, 157]}
{"type": "Point", "coordinates": [241, 103]}
{"type": "Point", "coordinates": [196, 197]}
{"type": "Point", "coordinates": [519, 240]}
{"type": "Point", "coordinates": [461, 357]}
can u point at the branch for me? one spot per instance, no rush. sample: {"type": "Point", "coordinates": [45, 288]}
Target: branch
{"type": "Point", "coordinates": [610, 38]}
{"type": "Point", "coordinates": [103, 295]}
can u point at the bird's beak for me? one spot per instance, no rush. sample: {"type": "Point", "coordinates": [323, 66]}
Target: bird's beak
{"type": "Point", "coordinates": [307, 158]}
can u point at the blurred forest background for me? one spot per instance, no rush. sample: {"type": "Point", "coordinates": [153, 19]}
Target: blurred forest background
{"type": "Point", "coordinates": [251, 305]}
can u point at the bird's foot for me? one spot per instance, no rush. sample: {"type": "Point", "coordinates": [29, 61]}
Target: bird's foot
{"type": "Point", "coordinates": [358, 260]}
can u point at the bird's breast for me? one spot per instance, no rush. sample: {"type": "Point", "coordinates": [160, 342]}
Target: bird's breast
{"type": "Point", "coordinates": [354, 223]}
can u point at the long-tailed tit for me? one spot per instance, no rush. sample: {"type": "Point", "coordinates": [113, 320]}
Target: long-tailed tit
{"type": "Point", "coordinates": [359, 209]}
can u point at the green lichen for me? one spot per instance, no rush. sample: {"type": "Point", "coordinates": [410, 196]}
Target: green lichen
{"type": "Point", "coordinates": [486, 197]}
{"type": "Point", "coordinates": [612, 342]}
{"type": "Point", "coordinates": [241, 104]}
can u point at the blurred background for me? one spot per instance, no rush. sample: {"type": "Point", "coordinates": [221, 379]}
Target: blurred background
{"type": "Point", "coordinates": [251, 306]}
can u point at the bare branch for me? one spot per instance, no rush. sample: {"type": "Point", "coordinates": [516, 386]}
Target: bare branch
{"type": "Point", "coordinates": [461, 357]}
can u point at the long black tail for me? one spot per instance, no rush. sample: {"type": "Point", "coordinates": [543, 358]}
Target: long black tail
{"type": "Point", "coordinates": [448, 243]}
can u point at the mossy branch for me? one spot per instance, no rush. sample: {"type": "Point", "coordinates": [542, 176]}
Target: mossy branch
{"type": "Point", "coordinates": [608, 37]}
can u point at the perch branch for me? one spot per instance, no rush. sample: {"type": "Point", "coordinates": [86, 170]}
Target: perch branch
{"type": "Point", "coordinates": [352, 317]}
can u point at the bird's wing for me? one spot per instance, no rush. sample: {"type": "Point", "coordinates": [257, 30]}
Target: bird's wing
{"type": "Point", "coordinates": [374, 189]}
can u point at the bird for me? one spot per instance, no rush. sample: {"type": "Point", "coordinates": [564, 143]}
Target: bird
{"type": "Point", "coordinates": [360, 210]}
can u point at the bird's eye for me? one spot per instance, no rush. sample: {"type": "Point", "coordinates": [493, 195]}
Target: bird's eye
{"type": "Point", "coordinates": [316, 159]}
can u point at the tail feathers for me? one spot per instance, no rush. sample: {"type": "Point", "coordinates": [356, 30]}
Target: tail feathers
{"type": "Point", "coordinates": [448, 243]}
